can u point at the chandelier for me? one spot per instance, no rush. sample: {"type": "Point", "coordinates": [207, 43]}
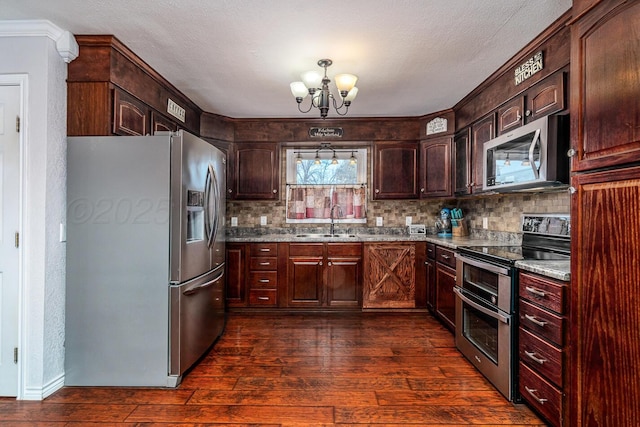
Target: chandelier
{"type": "Point", "coordinates": [314, 84]}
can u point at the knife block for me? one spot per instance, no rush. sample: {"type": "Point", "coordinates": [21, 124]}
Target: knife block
{"type": "Point", "coordinates": [459, 227]}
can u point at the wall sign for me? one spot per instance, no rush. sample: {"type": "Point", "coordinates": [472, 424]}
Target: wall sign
{"type": "Point", "coordinates": [437, 125]}
{"type": "Point", "coordinates": [175, 110]}
{"type": "Point", "coordinates": [326, 132]}
{"type": "Point", "coordinates": [529, 68]}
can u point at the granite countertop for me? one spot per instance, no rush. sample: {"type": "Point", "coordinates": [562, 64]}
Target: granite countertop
{"type": "Point", "coordinates": [560, 270]}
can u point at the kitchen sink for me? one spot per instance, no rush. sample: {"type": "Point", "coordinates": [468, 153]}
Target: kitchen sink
{"type": "Point", "coordinates": [316, 236]}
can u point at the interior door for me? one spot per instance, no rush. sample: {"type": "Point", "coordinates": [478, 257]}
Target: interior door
{"type": "Point", "coordinates": [9, 226]}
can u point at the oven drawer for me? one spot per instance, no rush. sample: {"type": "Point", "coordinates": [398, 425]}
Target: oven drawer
{"type": "Point", "coordinates": [263, 263]}
{"type": "Point", "coordinates": [542, 322]}
{"type": "Point", "coordinates": [547, 293]}
{"type": "Point", "coordinates": [445, 256]}
{"type": "Point", "coordinates": [543, 396]}
{"type": "Point", "coordinates": [263, 280]}
{"type": "Point", "coordinates": [543, 357]}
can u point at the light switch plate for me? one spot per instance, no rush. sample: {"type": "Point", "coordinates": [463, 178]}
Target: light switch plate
{"type": "Point", "coordinates": [234, 221]}
{"type": "Point", "coordinates": [263, 220]}
{"type": "Point", "coordinates": [378, 221]}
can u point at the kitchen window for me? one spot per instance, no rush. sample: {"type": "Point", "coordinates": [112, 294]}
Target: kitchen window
{"type": "Point", "coordinates": [326, 184]}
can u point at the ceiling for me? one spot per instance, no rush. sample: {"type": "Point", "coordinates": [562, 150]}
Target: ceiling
{"type": "Point", "coordinates": [237, 57]}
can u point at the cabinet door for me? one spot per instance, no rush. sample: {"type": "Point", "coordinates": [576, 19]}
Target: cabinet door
{"type": "Point", "coordinates": [435, 170]}
{"type": "Point", "coordinates": [605, 86]}
{"type": "Point", "coordinates": [546, 97]}
{"type": "Point", "coordinates": [445, 298]}
{"type": "Point", "coordinates": [395, 170]}
{"type": "Point", "coordinates": [304, 274]}
{"type": "Point", "coordinates": [510, 115]}
{"type": "Point", "coordinates": [255, 174]}
{"type": "Point", "coordinates": [130, 115]}
{"type": "Point", "coordinates": [344, 282]}
{"type": "Point", "coordinates": [482, 131]}
{"type": "Point", "coordinates": [605, 319]}
{"type": "Point", "coordinates": [160, 123]}
{"type": "Point", "coordinates": [462, 155]}
{"type": "Point", "coordinates": [389, 275]}
{"type": "Point", "coordinates": [236, 295]}
{"type": "Point", "coordinates": [430, 266]}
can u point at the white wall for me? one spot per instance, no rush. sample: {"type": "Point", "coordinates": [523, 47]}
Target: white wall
{"type": "Point", "coordinates": [44, 194]}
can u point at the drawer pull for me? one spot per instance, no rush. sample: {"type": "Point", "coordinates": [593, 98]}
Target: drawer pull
{"type": "Point", "coordinates": [532, 392]}
{"type": "Point", "coordinates": [532, 356]}
{"type": "Point", "coordinates": [265, 263]}
{"type": "Point", "coordinates": [445, 256]}
{"type": "Point", "coordinates": [263, 298]}
{"type": "Point", "coordinates": [536, 292]}
{"type": "Point", "coordinates": [533, 319]}
{"type": "Point", "coordinates": [265, 250]}
{"type": "Point", "coordinates": [263, 280]}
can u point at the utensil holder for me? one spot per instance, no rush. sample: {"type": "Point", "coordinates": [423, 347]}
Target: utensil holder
{"type": "Point", "coordinates": [459, 227]}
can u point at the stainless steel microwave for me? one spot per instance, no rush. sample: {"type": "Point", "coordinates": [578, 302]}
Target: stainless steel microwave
{"type": "Point", "coordinates": [530, 158]}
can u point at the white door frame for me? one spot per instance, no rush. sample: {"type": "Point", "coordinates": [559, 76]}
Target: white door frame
{"type": "Point", "coordinates": [21, 80]}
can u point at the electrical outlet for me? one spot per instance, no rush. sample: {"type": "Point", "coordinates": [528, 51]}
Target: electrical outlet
{"type": "Point", "coordinates": [485, 222]}
{"type": "Point", "coordinates": [234, 221]}
{"type": "Point", "coordinates": [407, 220]}
{"type": "Point", "coordinates": [378, 221]}
{"type": "Point", "coordinates": [263, 220]}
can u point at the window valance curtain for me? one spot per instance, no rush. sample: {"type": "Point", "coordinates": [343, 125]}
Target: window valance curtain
{"type": "Point", "coordinates": [315, 202]}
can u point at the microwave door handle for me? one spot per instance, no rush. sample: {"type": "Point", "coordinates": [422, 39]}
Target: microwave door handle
{"type": "Point", "coordinates": [532, 147]}
{"type": "Point", "coordinates": [496, 315]}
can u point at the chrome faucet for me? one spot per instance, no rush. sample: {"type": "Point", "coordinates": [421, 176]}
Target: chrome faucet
{"type": "Point", "coordinates": [332, 228]}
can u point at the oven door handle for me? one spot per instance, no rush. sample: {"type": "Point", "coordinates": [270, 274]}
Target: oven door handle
{"type": "Point", "coordinates": [484, 265]}
{"type": "Point", "coordinates": [490, 313]}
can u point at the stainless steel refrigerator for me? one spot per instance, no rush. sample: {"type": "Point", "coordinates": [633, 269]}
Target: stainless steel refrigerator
{"type": "Point", "coordinates": [145, 257]}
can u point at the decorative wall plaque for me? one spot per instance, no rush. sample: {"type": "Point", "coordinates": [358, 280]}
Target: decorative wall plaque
{"type": "Point", "coordinates": [437, 125]}
{"type": "Point", "coordinates": [529, 68]}
{"type": "Point", "coordinates": [326, 132]}
{"type": "Point", "coordinates": [175, 110]}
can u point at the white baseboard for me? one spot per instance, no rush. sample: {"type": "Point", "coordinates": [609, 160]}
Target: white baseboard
{"type": "Point", "coordinates": [35, 393]}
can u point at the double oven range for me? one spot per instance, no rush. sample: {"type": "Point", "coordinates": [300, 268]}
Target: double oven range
{"type": "Point", "coordinates": [487, 292]}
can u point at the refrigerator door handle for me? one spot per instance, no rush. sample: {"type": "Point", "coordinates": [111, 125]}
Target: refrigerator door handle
{"type": "Point", "coordinates": [196, 289]}
{"type": "Point", "coordinates": [211, 215]}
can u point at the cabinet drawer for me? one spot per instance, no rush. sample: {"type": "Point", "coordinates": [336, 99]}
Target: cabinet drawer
{"type": "Point", "coordinates": [544, 323]}
{"type": "Point", "coordinates": [264, 249]}
{"type": "Point", "coordinates": [541, 356]}
{"type": "Point", "coordinates": [263, 263]}
{"type": "Point", "coordinates": [431, 251]}
{"type": "Point", "coordinates": [263, 297]}
{"type": "Point", "coordinates": [543, 396]}
{"type": "Point", "coordinates": [445, 256]}
{"type": "Point", "coordinates": [306, 249]}
{"type": "Point", "coordinates": [263, 279]}
{"type": "Point", "coordinates": [337, 249]}
{"type": "Point", "coordinates": [547, 293]}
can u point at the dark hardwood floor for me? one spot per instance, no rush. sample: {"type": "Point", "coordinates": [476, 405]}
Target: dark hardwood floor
{"type": "Point", "coordinates": [298, 370]}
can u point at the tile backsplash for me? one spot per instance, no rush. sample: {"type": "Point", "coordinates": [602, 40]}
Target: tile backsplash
{"type": "Point", "coordinates": [503, 212]}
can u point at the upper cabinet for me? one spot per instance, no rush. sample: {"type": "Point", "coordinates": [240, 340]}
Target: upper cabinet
{"type": "Point", "coordinates": [254, 171]}
{"type": "Point", "coordinates": [111, 91]}
{"type": "Point", "coordinates": [463, 162]}
{"type": "Point", "coordinates": [395, 169]}
{"type": "Point", "coordinates": [435, 167]}
{"type": "Point", "coordinates": [605, 91]}
{"type": "Point", "coordinates": [481, 131]}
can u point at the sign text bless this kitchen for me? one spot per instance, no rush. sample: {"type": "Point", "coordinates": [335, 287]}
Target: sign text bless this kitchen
{"type": "Point", "coordinates": [529, 68]}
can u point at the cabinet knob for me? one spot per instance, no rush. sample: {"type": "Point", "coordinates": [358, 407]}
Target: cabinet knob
{"type": "Point", "coordinates": [571, 152]}
{"type": "Point", "coordinates": [377, 191]}
{"type": "Point", "coordinates": [275, 191]}
{"type": "Point", "coordinates": [230, 191]}
{"type": "Point", "coordinates": [572, 190]}
{"type": "Point", "coordinates": [422, 190]}
{"type": "Point", "coordinates": [320, 263]}
{"type": "Point", "coordinates": [527, 113]}
{"type": "Point", "coordinates": [329, 263]}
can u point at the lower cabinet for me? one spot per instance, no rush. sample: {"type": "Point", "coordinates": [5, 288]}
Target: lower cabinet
{"type": "Point", "coordinates": [543, 346]}
{"type": "Point", "coordinates": [389, 275]}
{"type": "Point", "coordinates": [235, 275]}
{"type": "Point", "coordinates": [430, 273]}
{"type": "Point", "coordinates": [324, 275]}
{"type": "Point", "coordinates": [445, 280]}
{"type": "Point", "coordinates": [252, 275]}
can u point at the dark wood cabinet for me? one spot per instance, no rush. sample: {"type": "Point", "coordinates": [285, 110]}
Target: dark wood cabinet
{"type": "Point", "coordinates": [481, 131]}
{"type": "Point", "coordinates": [160, 123]}
{"type": "Point", "coordinates": [543, 346]}
{"type": "Point", "coordinates": [389, 275]}
{"type": "Point", "coordinates": [605, 86]}
{"type": "Point", "coordinates": [130, 115]}
{"type": "Point", "coordinates": [395, 170]}
{"type": "Point", "coordinates": [445, 301]}
{"type": "Point", "coordinates": [254, 171]}
{"type": "Point", "coordinates": [430, 277]}
{"type": "Point", "coordinates": [435, 168]}
{"type": "Point", "coordinates": [546, 97]}
{"type": "Point", "coordinates": [326, 275]}
{"type": "Point", "coordinates": [511, 115]}
{"type": "Point", "coordinates": [236, 290]}
{"type": "Point", "coordinates": [263, 274]}
{"type": "Point", "coordinates": [462, 162]}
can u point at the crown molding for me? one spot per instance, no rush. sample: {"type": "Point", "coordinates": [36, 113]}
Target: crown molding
{"type": "Point", "coordinates": [65, 41]}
